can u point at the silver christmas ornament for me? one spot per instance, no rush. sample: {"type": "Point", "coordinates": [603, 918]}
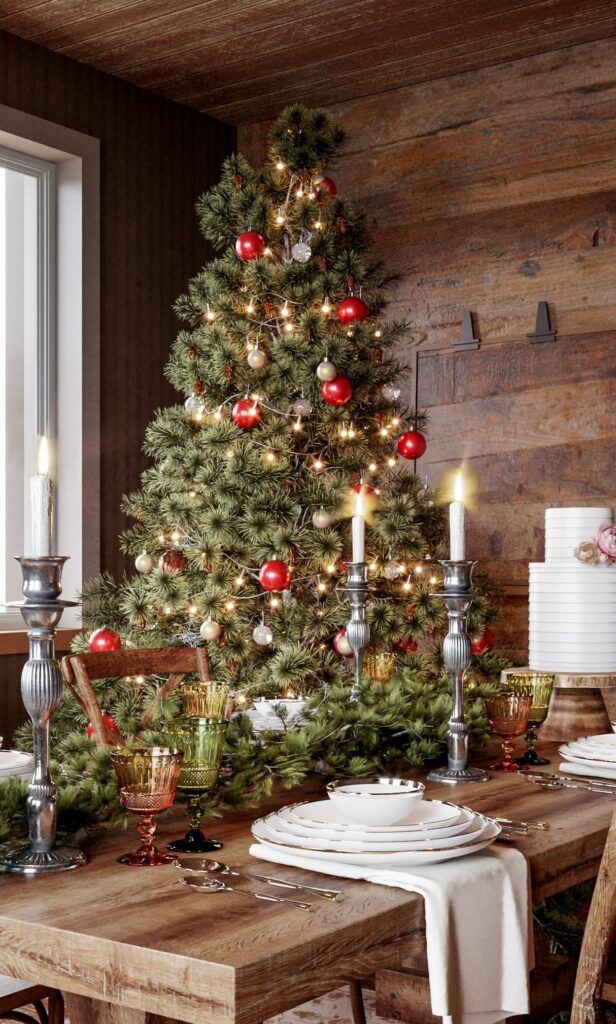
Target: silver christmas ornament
{"type": "Point", "coordinates": [321, 519]}
{"type": "Point", "coordinates": [257, 359]}
{"type": "Point", "coordinates": [262, 635]}
{"type": "Point", "coordinates": [326, 370]}
{"type": "Point", "coordinates": [210, 630]}
{"type": "Point", "coordinates": [288, 599]}
{"type": "Point", "coordinates": [302, 407]}
{"type": "Point", "coordinates": [301, 252]}
{"type": "Point", "coordinates": [193, 405]}
{"type": "Point", "coordinates": [391, 570]}
{"type": "Point", "coordinates": [144, 563]}
{"type": "Point", "coordinates": [390, 392]}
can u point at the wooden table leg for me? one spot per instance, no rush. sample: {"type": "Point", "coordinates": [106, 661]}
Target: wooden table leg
{"type": "Point", "coordinates": [357, 1002]}
{"type": "Point", "coordinates": [84, 1010]}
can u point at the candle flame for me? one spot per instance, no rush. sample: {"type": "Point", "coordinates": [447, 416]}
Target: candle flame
{"type": "Point", "coordinates": [42, 460]}
{"type": "Point", "coordinates": [458, 487]}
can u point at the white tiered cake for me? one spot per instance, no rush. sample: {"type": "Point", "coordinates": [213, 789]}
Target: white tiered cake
{"type": "Point", "coordinates": [572, 605]}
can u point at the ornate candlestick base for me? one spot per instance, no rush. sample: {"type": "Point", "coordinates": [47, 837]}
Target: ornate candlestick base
{"type": "Point", "coordinates": [358, 630]}
{"type": "Point", "coordinates": [457, 653]}
{"type": "Point", "coordinates": [41, 689]}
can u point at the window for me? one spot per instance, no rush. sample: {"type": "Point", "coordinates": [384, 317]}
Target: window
{"type": "Point", "coordinates": [28, 241]}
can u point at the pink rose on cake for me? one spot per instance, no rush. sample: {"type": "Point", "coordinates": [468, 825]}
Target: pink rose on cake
{"type": "Point", "coordinates": [606, 540]}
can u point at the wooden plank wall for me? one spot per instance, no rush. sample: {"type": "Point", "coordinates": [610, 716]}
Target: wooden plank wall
{"type": "Point", "coordinates": [492, 190]}
{"type": "Point", "coordinates": [156, 158]}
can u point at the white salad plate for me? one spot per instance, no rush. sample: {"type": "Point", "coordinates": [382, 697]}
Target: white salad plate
{"type": "Point", "coordinates": [311, 818]}
{"type": "Point", "coordinates": [15, 762]}
{"type": "Point", "coordinates": [370, 858]}
{"type": "Point", "coordinates": [289, 834]}
{"type": "Point", "coordinates": [428, 814]}
{"type": "Point", "coordinates": [591, 751]}
{"type": "Point", "coordinates": [608, 769]}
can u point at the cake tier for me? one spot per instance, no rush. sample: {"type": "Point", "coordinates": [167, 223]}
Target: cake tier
{"type": "Point", "coordinates": [564, 662]}
{"type": "Point", "coordinates": [565, 528]}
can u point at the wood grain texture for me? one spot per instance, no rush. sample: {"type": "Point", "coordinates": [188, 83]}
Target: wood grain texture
{"type": "Point", "coordinates": [195, 51]}
{"type": "Point", "coordinates": [222, 958]}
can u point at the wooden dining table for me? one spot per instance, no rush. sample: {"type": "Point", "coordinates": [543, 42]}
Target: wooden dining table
{"type": "Point", "coordinates": [130, 944]}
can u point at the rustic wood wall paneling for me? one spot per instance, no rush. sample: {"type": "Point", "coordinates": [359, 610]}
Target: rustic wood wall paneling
{"type": "Point", "coordinates": [493, 190]}
{"type": "Point", "coordinates": [156, 158]}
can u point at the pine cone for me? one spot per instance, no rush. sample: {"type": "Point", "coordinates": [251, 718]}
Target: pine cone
{"type": "Point", "coordinates": [410, 611]}
{"type": "Point", "coordinates": [238, 180]}
{"type": "Point", "coordinates": [378, 356]}
{"type": "Point", "coordinates": [228, 372]}
{"type": "Point", "coordinates": [198, 388]}
{"type": "Point", "coordinates": [322, 262]}
{"type": "Point", "coordinates": [192, 353]}
{"type": "Point", "coordinates": [269, 309]}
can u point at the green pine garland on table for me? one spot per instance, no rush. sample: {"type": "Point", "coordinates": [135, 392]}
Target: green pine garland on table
{"type": "Point", "coordinates": [257, 464]}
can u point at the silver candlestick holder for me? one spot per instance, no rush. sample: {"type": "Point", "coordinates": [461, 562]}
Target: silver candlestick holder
{"type": "Point", "coordinates": [457, 654]}
{"type": "Point", "coordinates": [41, 690]}
{"type": "Point", "coordinates": [358, 630]}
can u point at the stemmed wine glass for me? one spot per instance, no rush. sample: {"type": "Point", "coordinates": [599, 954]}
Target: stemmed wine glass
{"type": "Point", "coordinates": [508, 715]}
{"type": "Point", "coordinates": [148, 777]}
{"type": "Point", "coordinates": [540, 687]}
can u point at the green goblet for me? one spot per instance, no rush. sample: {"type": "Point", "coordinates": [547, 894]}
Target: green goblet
{"type": "Point", "coordinates": [202, 740]}
{"type": "Point", "coordinates": [540, 687]}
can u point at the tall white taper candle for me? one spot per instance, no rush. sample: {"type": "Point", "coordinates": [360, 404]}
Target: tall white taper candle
{"type": "Point", "coordinates": [41, 500]}
{"type": "Point", "coordinates": [359, 526]}
{"type": "Point", "coordinates": [456, 522]}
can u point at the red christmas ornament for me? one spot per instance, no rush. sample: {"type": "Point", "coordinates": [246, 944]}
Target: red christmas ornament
{"type": "Point", "coordinates": [109, 724]}
{"type": "Point", "coordinates": [246, 413]}
{"type": "Point", "coordinates": [365, 489]}
{"type": "Point", "coordinates": [342, 645]}
{"type": "Point", "coordinates": [412, 445]}
{"type": "Point", "coordinates": [352, 308]}
{"type": "Point", "coordinates": [105, 639]}
{"type": "Point", "coordinates": [275, 575]}
{"type": "Point", "coordinates": [323, 187]}
{"type": "Point", "coordinates": [172, 561]}
{"type": "Point", "coordinates": [337, 391]}
{"type": "Point", "coordinates": [249, 245]}
{"type": "Point", "coordinates": [483, 643]}
{"type": "Point", "coordinates": [407, 646]}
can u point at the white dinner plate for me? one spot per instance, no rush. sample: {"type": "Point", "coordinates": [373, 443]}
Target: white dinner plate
{"type": "Point", "coordinates": [427, 814]}
{"type": "Point", "coordinates": [604, 739]}
{"type": "Point", "coordinates": [410, 858]}
{"type": "Point", "coordinates": [13, 762]}
{"type": "Point", "coordinates": [591, 751]}
{"type": "Point", "coordinates": [610, 771]}
{"type": "Point", "coordinates": [307, 818]}
{"type": "Point", "coordinates": [289, 834]}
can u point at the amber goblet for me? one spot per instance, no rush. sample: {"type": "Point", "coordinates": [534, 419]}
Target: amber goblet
{"type": "Point", "coordinates": [508, 715]}
{"type": "Point", "coordinates": [540, 687]}
{"type": "Point", "coordinates": [380, 667]}
{"type": "Point", "coordinates": [148, 777]}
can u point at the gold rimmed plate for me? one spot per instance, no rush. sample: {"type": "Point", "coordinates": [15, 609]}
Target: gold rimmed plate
{"type": "Point", "coordinates": [429, 815]}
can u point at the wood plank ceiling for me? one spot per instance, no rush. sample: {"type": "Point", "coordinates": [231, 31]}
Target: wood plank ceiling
{"type": "Point", "coordinates": [241, 60]}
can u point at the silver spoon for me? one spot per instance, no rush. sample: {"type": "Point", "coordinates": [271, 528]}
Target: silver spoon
{"type": "Point", "coordinates": [210, 885]}
{"type": "Point", "coordinates": [217, 867]}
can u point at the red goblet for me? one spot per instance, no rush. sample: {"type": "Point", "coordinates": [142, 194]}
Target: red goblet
{"type": "Point", "coordinates": [508, 715]}
{"type": "Point", "coordinates": [148, 777]}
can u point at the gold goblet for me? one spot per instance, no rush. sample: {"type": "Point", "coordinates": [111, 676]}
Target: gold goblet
{"type": "Point", "coordinates": [380, 666]}
{"type": "Point", "coordinates": [540, 687]}
{"type": "Point", "coordinates": [148, 778]}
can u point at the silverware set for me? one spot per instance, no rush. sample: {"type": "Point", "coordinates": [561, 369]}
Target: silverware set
{"type": "Point", "coordinates": [201, 869]}
{"type": "Point", "coordinates": [547, 780]}
{"type": "Point", "coordinates": [511, 827]}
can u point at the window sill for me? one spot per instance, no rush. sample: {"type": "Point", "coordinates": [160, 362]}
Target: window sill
{"type": "Point", "coordinates": [15, 641]}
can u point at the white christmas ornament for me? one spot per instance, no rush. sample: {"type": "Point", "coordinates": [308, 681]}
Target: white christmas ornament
{"type": "Point", "coordinates": [301, 252]}
{"type": "Point", "coordinates": [257, 359]}
{"type": "Point", "coordinates": [210, 630]}
{"type": "Point", "coordinates": [302, 407]}
{"type": "Point", "coordinates": [262, 635]}
{"type": "Point", "coordinates": [144, 563]}
{"type": "Point", "coordinates": [390, 392]}
{"type": "Point", "coordinates": [326, 370]}
{"type": "Point", "coordinates": [391, 570]}
{"type": "Point", "coordinates": [321, 519]}
{"type": "Point", "coordinates": [193, 405]}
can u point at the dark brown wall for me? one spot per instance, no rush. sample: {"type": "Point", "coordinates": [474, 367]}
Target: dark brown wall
{"type": "Point", "coordinates": [156, 158]}
{"type": "Point", "coordinates": [490, 191]}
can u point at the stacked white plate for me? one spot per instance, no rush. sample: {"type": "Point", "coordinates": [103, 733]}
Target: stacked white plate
{"type": "Point", "coordinates": [14, 764]}
{"type": "Point", "coordinates": [597, 753]}
{"type": "Point", "coordinates": [435, 831]}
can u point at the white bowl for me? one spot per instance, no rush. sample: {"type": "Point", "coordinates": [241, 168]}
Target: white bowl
{"type": "Point", "coordinates": [381, 801]}
{"type": "Point", "coordinates": [264, 707]}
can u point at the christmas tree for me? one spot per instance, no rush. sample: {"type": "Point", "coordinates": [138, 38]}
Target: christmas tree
{"type": "Point", "coordinates": [290, 414]}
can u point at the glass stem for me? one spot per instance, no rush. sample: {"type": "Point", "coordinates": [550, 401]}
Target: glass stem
{"type": "Point", "coordinates": [531, 737]}
{"type": "Point", "coordinates": [147, 829]}
{"type": "Point", "coordinates": [508, 752]}
{"type": "Point", "coordinates": [194, 812]}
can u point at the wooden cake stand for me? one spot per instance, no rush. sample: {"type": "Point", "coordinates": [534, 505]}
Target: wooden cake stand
{"type": "Point", "coordinates": [577, 707]}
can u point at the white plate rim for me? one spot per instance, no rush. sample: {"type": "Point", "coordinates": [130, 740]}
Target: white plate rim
{"type": "Point", "coordinates": [354, 826]}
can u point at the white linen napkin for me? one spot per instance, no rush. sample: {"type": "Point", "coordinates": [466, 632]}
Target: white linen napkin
{"type": "Point", "coordinates": [600, 772]}
{"type": "Point", "coordinates": [478, 927]}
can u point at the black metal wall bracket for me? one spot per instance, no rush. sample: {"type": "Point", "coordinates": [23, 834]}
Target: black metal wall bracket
{"type": "Point", "coordinates": [543, 331]}
{"type": "Point", "coordinates": [467, 339]}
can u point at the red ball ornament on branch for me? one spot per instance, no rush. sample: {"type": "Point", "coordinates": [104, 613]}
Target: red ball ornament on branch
{"type": "Point", "coordinates": [351, 309]}
{"type": "Point", "coordinates": [104, 639]}
{"type": "Point", "coordinates": [275, 575]}
{"type": "Point", "coordinates": [247, 414]}
{"type": "Point", "coordinates": [485, 642]}
{"type": "Point", "coordinates": [337, 391]}
{"type": "Point", "coordinates": [342, 645]}
{"type": "Point", "coordinates": [408, 646]}
{"type": "Point", "coordinates": [364, 489]}
{"type": "Point", "coordinates": [412, 445]}
{"type": "Point", "coordinates": [323, 187]}
{"type": "Point", "coordinates": [249, 245]}
{"type": "Point", "coordinates": [110, 726]}
{"type": "Point", "coordinates": [172, 561]}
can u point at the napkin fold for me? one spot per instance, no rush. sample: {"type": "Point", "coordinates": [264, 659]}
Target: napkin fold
{"type": "Point", "coordinates": [478, 927]}
{"type": "Point", "coordinates": [600, 772]}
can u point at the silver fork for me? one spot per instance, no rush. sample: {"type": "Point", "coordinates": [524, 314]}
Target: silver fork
{"type": "Point", "coordinates": [539, 826]}
{"type": "Point", "coordinates": [206, 865]}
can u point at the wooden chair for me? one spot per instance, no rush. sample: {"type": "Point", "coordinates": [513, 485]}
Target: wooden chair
{"type": "Point", "coordinates": [16, 994]}
{"type": "Point", "coordinates": [595, 980]}
{"type": "Point", "coordinates": [175, 662]}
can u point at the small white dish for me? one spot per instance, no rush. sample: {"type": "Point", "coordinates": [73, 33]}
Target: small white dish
{"type": "Point", "coordinates": [376, 802]}
{"type": "Point", "coordinates": [433, 817]}
{"type": "Point", "coordinates": [293, 707]}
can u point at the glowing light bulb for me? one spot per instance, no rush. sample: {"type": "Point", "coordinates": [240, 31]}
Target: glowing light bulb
{"type": "Point", "coordinates": [351, 431]}
{"type": "Point", "coordinates": [344, 432]}
{"type": "Point", "coordinates": [284, 309]}
{"type": "Point", "coordinates": [384, 432]}
{"type": "Point", "coordinates": [139, 679]}
{"type": "Point", "coordinates": [279, 165]}
{"type": "Point", "coordinates": [239, 580]}
{"type": "Point", "coordinates": [391, 461]}
{"type": "Point", "coordinates": [210, 314]}
{"type": "Point", "coordinates": [250, 344]}
{"type": "Point", "coordinates": [290, 695]}
{"type": "Point", "coordinates": [378, 334]}
{"type": "Point", "coordinates": [419, 569]}
{"type": "Point", "coordinates": [250, 308]}
{"type": "Point", "coordinates": [321, 587]}
{"type": "Point", "coordinates": [175, 536]}
{"type": "Point", "coordinates": [274, 603]}
{"type": "Point", "coordinates": [331, 567]}
{"type": "Point", "coordinates": [198, 417]}
{"type": "Point", "coordinates": [230, 605]}
{"type": "Point", "coordinates": [192, 609]}
{"type": "Point", "coordinates": [192, 494]}
{"type": "Point", "coordinates": [297, 426]}
{"type": "Point", "coordinates": [218, 413]}
{"type": "Point", "coordinates": [168, 610]}
{"type": "Point", "coordinates": [289, 327]}
{"type": "Point", "coordinates": [267, 251]}
{"type": "Point", "coordinates": [317, 464]}
{"type": "Point", "coordinates": [280, 217]}
{"type": "Point", "coordinates": [229, 453]}
{"type": "Point", "coordinates": [373, 467]}
{"type": "Point", "coordinates": [407, 585]}
{"type": "Point", "coordinates": [270, 457]}
{"type": "Point", "coordinates": [161, 538]}
{"type": "Point", "coordinates": [299, 191]}
{"type": "Point", "coordinates": [326, 308]}
{"type": "Point", "coordinates": [373, 566]}
{"type": "Point", "coordinates": [433, 580]}
{"type": "Point", "coordinates": [318, 224]}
